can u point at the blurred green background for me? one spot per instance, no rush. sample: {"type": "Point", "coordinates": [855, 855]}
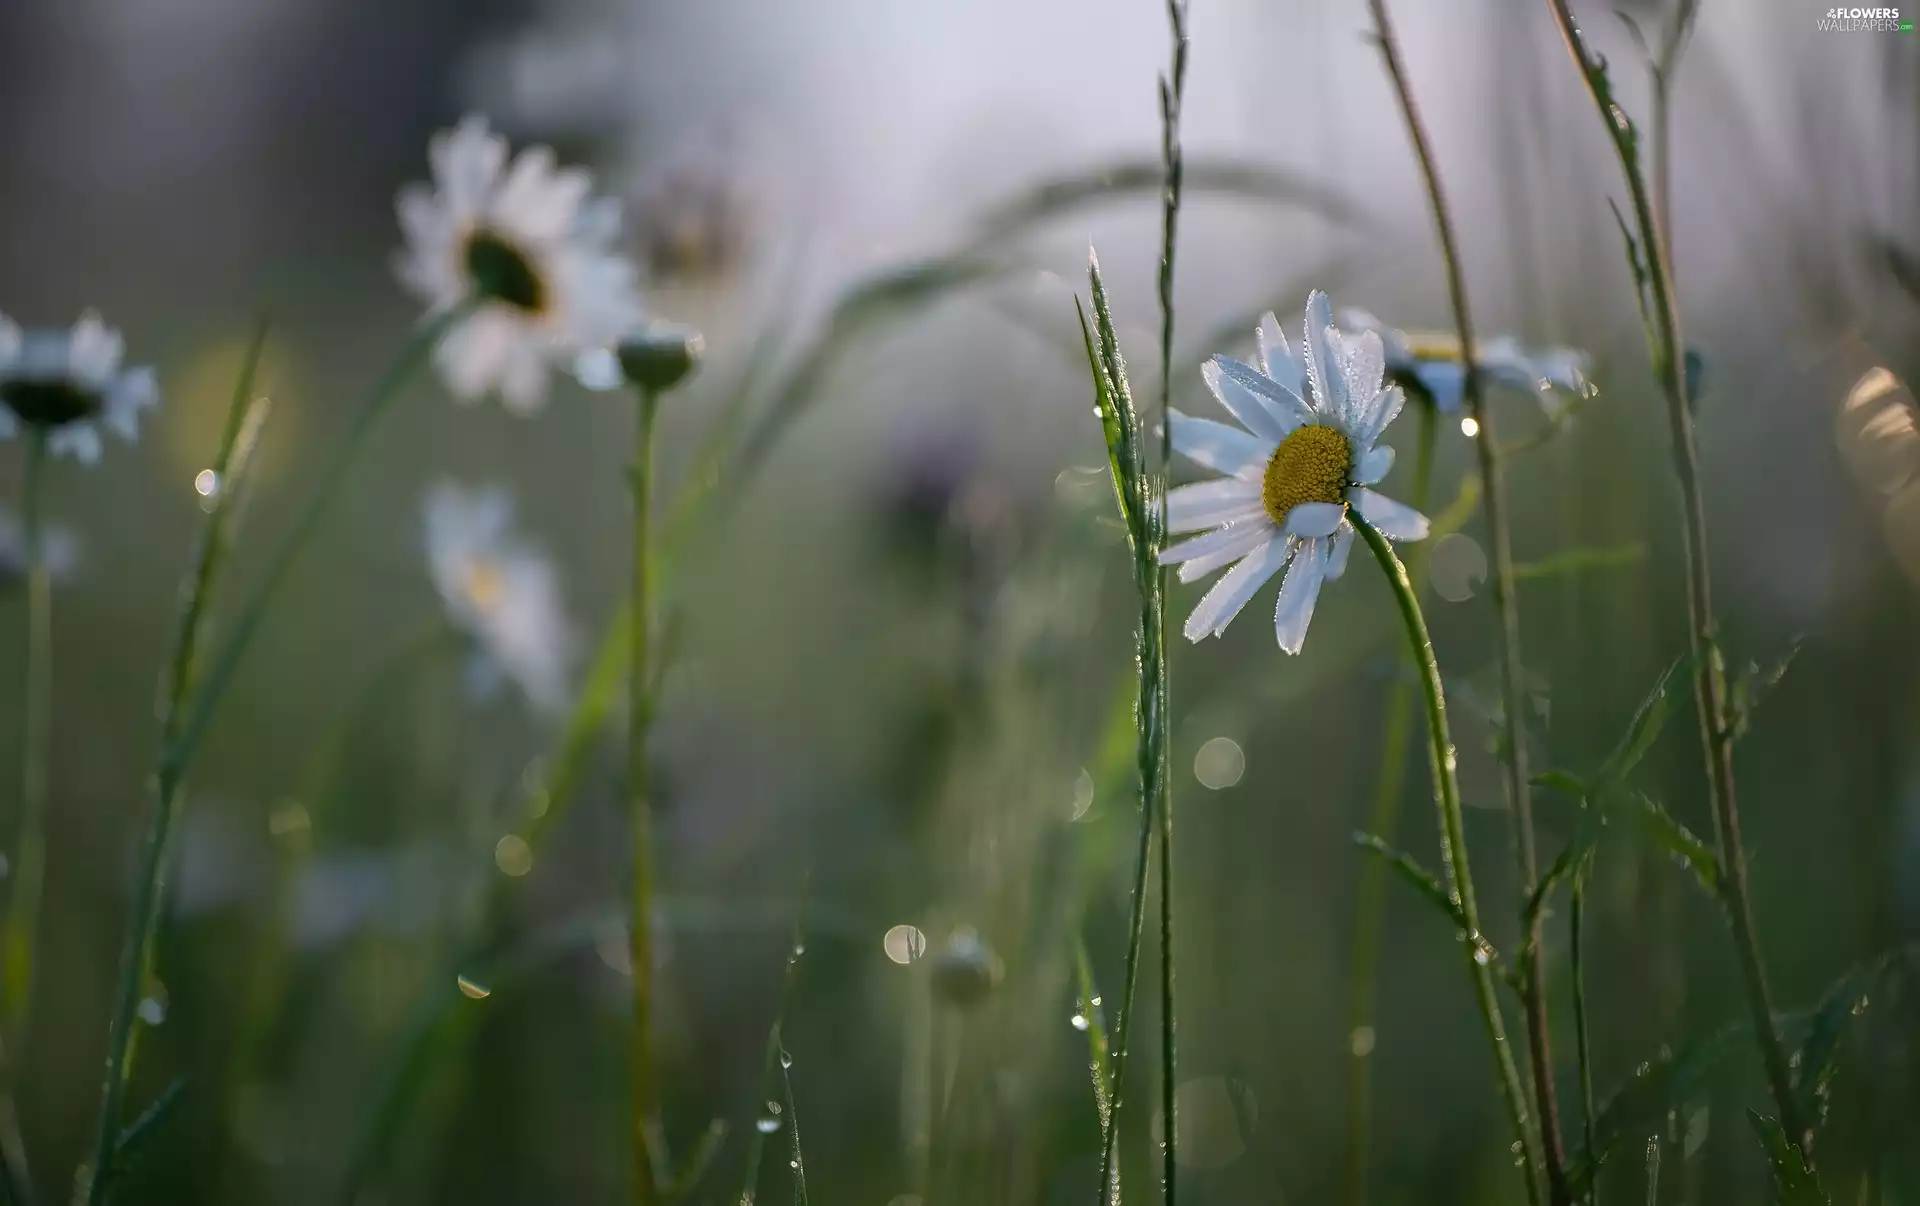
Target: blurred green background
{"type": "Point", "coordinates": [904, 642]}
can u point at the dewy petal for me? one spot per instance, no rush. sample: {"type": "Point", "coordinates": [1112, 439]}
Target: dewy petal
{"type": "Point", "coordinates": [1363, 362]}
{"type": "Point", "coordinates": [523, 378]}
{"type": "Point", "coordinates": [93, 351]}
{"type": "Point", "coordinates": [1204, 554]}
{"type": "Point", "coordinates": [1277, 359]}
{"type": "Point", "coordinates": [1394, 520]}
{"type": "Point", "coordinates": [1374, 465]}
{"type": "Point", "coordinates": [1382, 409]}
{"type": "Point", "coordinates": [1342, 545]}
{"type": "Point", "coordinates": [474, 354]}
{"type": "Point", "coordinates": [467, 161]}
{"type": "Point", "coordinates": [1323, 358]}
{"type": "Point", "coordinates": [1314, 519]}
{"type": "Point", "coordinates": [1219, 605]}
{"type": "Point", "coordinates": [1265, 406]}
{"type": "Point", "coordinates": [1218, 446]}
{"type": "Point", "coordinates": [1393, 342]}
{"type": "Point", "coordinates": [1210, 503]}
{"type": "Point", "coordinates": [1293, 610]}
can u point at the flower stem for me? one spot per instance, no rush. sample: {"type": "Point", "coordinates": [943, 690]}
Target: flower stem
{"type": "Point", "coordinates": [188, 701]}
{"type": "Point", "coordinates": [644, 1085]}
{"type": "Point", "coordinates": [1667, 348]}
{"type": "Point", "coordinates": [1370, 906]}
{"type": "Point", "coordinates": [1453, 840]}
{"type": "Point", "coordinates": [30, 854]}
{"type": "Point", "coordinates": [1493, 482]}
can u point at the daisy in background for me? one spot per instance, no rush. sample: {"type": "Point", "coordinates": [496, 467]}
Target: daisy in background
{"type": "Point", "coordinates": [1307, 453]}
{"type": "Point", "coordinates": [1431, 363]}
{"type": "Point", "coordinates": [528, 245]}
{"type": "Point", "coordinates": [501, 592]}
{"type": "Point", "coordinates": [69, 384]}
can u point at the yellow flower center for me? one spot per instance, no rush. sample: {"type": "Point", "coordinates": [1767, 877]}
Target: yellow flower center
{"type": "Point", "coordinates": [503, 272]}
{"type": "Point", "coordinates": [484, 584]}
{"type": "Point", "coordinates": [1311, 465]}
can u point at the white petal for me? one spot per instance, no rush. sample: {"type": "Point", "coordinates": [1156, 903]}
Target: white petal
{"type": "Point", "coordinates": [1315, 519]}
{"type": "Point", "coordinates": [474, 354]}
{"type": "Point", "coordinates": [79, 440]}
{"type": "Point", "coordinates": [1382, 409]}
{"type": "Point", "coordinates": [1342, 545]}
{"type": "Point", "coordinates": [1374, 465]}
{"type": "Point", "coordinates": [1219, 605]}
{"type": "Point", "coordinates": [1363, 363]}
{"type": "Point", "coordinates": [1293, 610]}
{"type": "Point", "coordinates": [1211, 503]}
{"type": "Point", "coordinates": [1273, 345]}
{"type": "Point", "coordinates": [93, 351]}
{"type": "Point", "coordinates": [1267, 408]}
{"type": "Point", "coordinates": [9, 341]}
{"type": "Point", "coordinates": [466, 163]}
{"type": "Point", "coordinates": [1319, 341]}
{"type": "Point", "coordinates": [523, 379]}
{"type": "Point", "coordinates": [1393, 342]}
{"type": "Point", "coordinates": [1218, 446]}
{"type": "Point", "coordinates": [134, 392]}
{"type": "Point", "coordinates": [1204, 554]}
{"type": "Point", "coordinates": [1446, 382]}
{"type": "Point", "coordinates": [1394, 520]}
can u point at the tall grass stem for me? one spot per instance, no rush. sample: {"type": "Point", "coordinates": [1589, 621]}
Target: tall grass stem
{"type": "Point", "coordinates": [1666, 347]}
{"type": "Point", "coordinates": [1506, 605]}
{"type": "Point", "coordinates": [1173, 89]}
{"type": "Point", "coordinates": [30, 850]}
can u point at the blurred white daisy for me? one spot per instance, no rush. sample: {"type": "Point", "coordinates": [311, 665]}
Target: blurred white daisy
{"type": "Point", "coordinates": [1307, 454]}
{"type": "Point", "coordinates": [71, 383]}
{"type": "Point", "coordinates": [1432, 362]}
{"type": "Point", "coordinates": [501, 591]}
{"type": "Point", "coordinates": [529, 243]}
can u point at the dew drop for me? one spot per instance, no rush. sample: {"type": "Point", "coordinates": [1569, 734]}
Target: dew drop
{"type": "Point", "coordinates": [773, 1107]}
{"type": "Point", "coordinates": [1078, 1021]}
{"type": "Point", "coordinates": [153, 1010]}
{"type": "Point", "coordinates": [767, 1126]}
{"type": "Point", "coordinates": [793, 1164]}
{"type": "Point", "coordinates": [206, 483]}
{"type": "Point", "coordinates": [786, 1058]}
{"type": "Point", "coordinates": [472, 988]}
{"type": "Point", "coordinates": [799, 949]}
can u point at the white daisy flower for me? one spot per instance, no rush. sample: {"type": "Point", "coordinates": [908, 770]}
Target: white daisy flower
{"type": "Point", "coordinates": [1433, 363]}
{"type": "Point", "coordinates": [71, 383]}
{"type": "Point", "coordinates": [1307, 454]}
{"type": "Point", "coordinates": [529, 242]}
{"type": "Point", "coordinates": [501, 591]}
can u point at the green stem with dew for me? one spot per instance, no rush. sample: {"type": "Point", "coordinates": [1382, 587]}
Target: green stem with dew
{"type": "Point", "coordinates": [1172, 96]}
{"type": "Point", "coordinates": [1453, 840]}
{"type": "Point", "coordinates": [188, 701]}
{"type": "Point", "coordinates": [1363, 985]}
{"type": "Point", "coordinates": [644, 1097]}
{"type": "Point", "coordinates": [1583, 1047]}
{"type": "Point", "coordinates": [1667, 348]}
{"type": "Point", "coordinates": [1506, 604]}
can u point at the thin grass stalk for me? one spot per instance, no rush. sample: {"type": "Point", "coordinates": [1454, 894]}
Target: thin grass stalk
{"type": "Point", "coordinates": [1134, 490]}
{"type": "Point", "coordinates": [1666, 347]}
{"type": "Point", "coordinates": [1370, 907]}
{"type": "Point", "coordinates": [1506, 604]}
{"type": "Point", "coordinates": [1583, 1046]}
{"type": "Point", "coordinates": [188, 701]}
{"type": "Point", "coordinates": [644, 1103]}
{"type": "Point", "coordinates": [797, 1162]}
{"type": "Point", "coordinates": [770, 1067]}
{"type": "Point", "coordinates": [1099, 1053]}
{"type": "Point", "coordinates": [30, 851]}
{"type": "Point", "coordinates": [1453, 844]}
{"type": "Point", "coordinates": [1172, 98]}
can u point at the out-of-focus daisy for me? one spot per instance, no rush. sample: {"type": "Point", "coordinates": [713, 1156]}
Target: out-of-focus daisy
{"type": "Point", "coordinates": [529, 243]}
{"type": "Point", "coordinates": [501, 591]}
{"type": "Point", "coordinates": [1307, 454]}
{"type": "Point", "coordinates": [71, 383]}
{"type": "Point", "coordinates": [694, 222]}
{"type": "Point", "coordinates": [1431, 363]}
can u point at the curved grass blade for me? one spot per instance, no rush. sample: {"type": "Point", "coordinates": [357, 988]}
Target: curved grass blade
{"type": "Point", "coordinates": [132, 1142]}
{"type": "Point", "coordinates": [1580, 561]}
{"type": "Point", "coordinates": [1794, 1183]}
{"type": "Point", "coordinates": [770, 1065]}
{"type": "Point", "coordinates": [1421, 880]}
{"type": "Point", "coordinates": [1680, 841]}
{"type": "Point", "coordinates": [1144, 177]}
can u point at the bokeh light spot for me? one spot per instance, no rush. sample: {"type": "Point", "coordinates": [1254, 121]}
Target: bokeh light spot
{"type": "Point", "coordinates": [1220, 763]}
{"type": "Point", "coordinates": [904, 944]}
{"type": "Point", "coordinates": [1457, 566]}
{"type": "Point", "coordinates": [512, 855]}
